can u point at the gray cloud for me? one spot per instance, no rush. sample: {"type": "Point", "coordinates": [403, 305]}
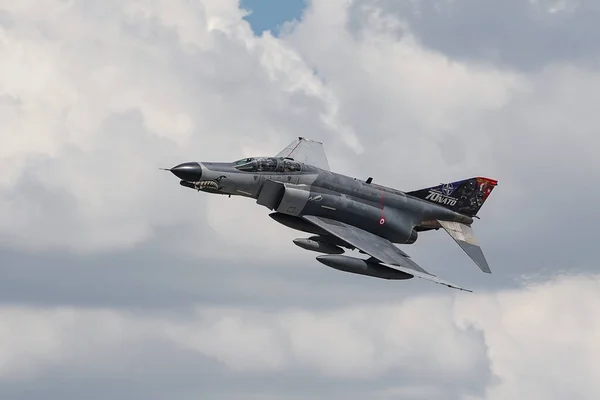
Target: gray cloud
{"type": "Point", "coordinates": [149, 278]}
{"type": "Point", "coordinates": [423, 346]}
{"type": "Point", "coordinates": [534, 132]}
{"type": "Point", "coordinates": [525, 35]}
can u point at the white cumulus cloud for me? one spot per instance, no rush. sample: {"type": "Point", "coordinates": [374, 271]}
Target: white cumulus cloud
{"type": "Point", "coordinates": [538, 342]}
{"type": "Point", "coordinates": [95, 97]}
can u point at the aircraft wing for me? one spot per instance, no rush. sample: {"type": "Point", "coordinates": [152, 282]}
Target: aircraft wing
{"type": "Point", "coordinates": [377, 247]}
{"type": "Point", "coordinates": [306, 151]}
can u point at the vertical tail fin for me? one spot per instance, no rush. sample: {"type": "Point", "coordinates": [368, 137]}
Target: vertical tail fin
{"type": "Point", "coordinates": [464, 197]}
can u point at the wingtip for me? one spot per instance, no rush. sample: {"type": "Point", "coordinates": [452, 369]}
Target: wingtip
{"type": "Point", "coordinates": [465, 290]}
{"type": "Point", "coordinates": [459, 288]}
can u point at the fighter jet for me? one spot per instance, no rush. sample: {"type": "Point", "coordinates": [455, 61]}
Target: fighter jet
{"type": "Point", "coordinates": [344, 213]}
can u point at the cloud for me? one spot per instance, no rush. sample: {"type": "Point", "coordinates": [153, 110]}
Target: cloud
{"type": "Point", "coordinates": [492, 345]}
{"type": "Point", "coordinates": [403, 97]}
{"type": "Point", "coordinates": [515, 34]}
{"type": "Point", "coordinates": [539, 358]}
{"type": "Point", "coordinates": [94, 103]}
{"type": "Point", "coordinates": [431, 117]}
{"type": "Point", "coordinates": [117, 90]}
{"type": "Point", "coordinates": [104, 258]}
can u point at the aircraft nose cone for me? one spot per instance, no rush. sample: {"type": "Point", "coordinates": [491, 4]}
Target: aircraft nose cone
{"type": "Point", "coordinates": [189, 171]}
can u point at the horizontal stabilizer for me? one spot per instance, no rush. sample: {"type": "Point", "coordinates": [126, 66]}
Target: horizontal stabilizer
{"type": "Point", "coordinates": [464, 236]}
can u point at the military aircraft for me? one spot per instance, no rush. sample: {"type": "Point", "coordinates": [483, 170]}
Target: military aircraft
{"type": "Point", "coordinates": [343, 212]}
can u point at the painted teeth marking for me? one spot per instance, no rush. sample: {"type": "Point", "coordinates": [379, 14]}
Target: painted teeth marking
{"type": "Point", "coordinates": [207, 185]}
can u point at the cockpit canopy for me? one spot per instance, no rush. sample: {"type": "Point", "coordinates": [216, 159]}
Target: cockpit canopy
{"type": "Point", "coordinates": [268, 164]}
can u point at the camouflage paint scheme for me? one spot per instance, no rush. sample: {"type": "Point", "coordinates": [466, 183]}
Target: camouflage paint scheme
{"type": "Point", "coordinates": [344, 212]}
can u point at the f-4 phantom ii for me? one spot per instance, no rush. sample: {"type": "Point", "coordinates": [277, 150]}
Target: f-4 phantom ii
{"type": "Point", "coordinates": [343, 212]}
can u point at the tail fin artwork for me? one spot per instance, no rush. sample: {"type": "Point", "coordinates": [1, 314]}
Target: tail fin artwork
{"type": "Point", "coordinates": [464, 197]}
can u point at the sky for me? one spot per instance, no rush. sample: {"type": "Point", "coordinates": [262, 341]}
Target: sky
{"type": "Point", "coordinates": [271, 15]}
{"type": "Point", "coordinates": [118, 282]}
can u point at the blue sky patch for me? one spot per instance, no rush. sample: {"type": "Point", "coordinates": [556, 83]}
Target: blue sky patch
{"type": "Point", "coordinates": [271, 14]}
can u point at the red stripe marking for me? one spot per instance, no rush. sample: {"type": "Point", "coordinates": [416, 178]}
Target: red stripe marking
{"type": "Point", "coordinates": [382, 208]}
{"type": "Point", "coordinates": [295, 147]}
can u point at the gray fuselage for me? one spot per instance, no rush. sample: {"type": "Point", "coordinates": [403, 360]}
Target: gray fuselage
{"type": "Point", "coordinates": [298, 189]}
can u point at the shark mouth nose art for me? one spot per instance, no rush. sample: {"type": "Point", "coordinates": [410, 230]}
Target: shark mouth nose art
{"type": "Point", "coordinates": [207, 185]}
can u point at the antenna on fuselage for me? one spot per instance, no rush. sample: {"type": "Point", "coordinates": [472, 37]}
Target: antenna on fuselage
{"type": "Point", "coordinates": [368, 181]}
